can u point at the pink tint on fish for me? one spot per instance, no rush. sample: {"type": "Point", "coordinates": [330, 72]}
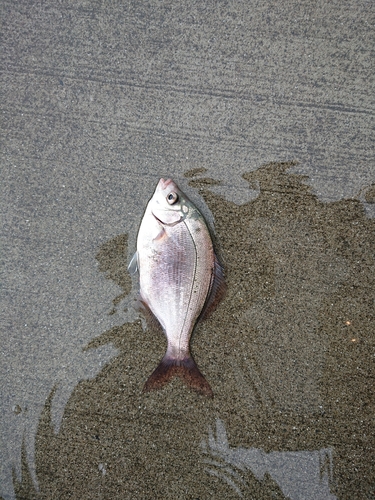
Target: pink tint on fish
{"type": "Point", "coordinates": [163, 184]}
{"type": "Point", "coordinates": [181, 280]}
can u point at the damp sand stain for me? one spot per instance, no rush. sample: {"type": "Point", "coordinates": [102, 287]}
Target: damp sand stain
{"type": "Point", "coordinates": [279, 352]}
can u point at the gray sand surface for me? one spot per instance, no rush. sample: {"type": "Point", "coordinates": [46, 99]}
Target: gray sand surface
{"type": "Point", "coordinates": [263, 113]}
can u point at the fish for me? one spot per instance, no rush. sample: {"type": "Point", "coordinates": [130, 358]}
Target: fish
{"type": "Point", "coordinates": [180, 277]}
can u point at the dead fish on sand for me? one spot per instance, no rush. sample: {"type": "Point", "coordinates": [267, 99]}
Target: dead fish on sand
{"type": "Point", "coordinates": [181, 280]}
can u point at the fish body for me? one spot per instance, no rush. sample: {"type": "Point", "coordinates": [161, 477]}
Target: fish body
{"type": "Point", "coordinates": [180, 279]}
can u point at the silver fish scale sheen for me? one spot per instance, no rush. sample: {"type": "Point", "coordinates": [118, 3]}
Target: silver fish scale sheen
{"type": "Point", "coordinates": [175, 283]}
{"type": "Point", "coordinates": [177, 266]}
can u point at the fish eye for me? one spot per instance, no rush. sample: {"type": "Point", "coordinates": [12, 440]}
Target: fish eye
{"type": "Point", "coordinates": [172, 198]}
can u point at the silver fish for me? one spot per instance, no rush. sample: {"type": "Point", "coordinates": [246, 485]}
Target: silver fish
{"type": "Point", "coordinates": [181, 279]}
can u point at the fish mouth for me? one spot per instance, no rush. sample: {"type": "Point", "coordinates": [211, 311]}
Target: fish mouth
{"type": "Point", "coordinates": [164, 183]}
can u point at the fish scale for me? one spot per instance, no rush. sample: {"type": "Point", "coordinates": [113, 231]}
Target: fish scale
{"type": "Point", "coordinates": [180, 277]}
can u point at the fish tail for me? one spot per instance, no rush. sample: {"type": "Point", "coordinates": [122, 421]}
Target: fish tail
{"type": "Point", "coordinates": [185, 368]}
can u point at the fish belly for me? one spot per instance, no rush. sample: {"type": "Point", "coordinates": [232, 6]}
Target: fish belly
{"type": "Point", "coordinates": [175, 277]}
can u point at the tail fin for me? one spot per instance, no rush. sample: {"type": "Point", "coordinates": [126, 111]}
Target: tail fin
{"type": "Point", "coordinates": [183, 368]}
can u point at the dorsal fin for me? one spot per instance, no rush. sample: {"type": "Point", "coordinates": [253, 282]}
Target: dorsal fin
{"type": "Point", "coordinates": [216, 291]}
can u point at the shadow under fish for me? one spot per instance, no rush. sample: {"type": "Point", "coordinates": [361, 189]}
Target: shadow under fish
{"type": "Point", "coordinates": [181, 279]}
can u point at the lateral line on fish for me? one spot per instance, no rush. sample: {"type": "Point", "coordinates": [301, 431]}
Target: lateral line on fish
{"type": "Point", "coordinates": [177, 280]}
{"type": "Point", "coordinates": [192, 288]}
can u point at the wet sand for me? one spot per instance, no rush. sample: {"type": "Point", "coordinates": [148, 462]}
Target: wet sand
{"type": "Point", "coordinates": [288, 353]}
{"type": "Point", "coordinates": [100, 103]}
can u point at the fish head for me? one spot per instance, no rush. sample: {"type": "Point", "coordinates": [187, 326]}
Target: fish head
{"type": "Point", "coordinates": [169, 205]}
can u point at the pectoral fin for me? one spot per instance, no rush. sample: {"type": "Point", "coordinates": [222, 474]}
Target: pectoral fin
{"type": "Point", "coordinates": [133, 264]}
